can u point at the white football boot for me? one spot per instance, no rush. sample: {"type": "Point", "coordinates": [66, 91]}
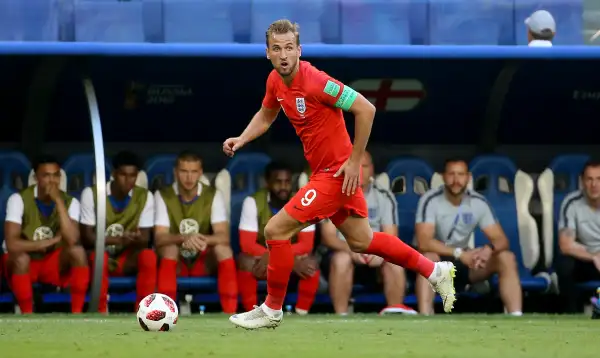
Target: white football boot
{"type": "Point", "coordinates": [442, 282]}
{"type": "Point", "coordinates": [257, 318]}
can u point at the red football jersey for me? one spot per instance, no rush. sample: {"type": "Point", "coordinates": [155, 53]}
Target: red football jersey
{"type": "Point", "coordinates": [313, 103]}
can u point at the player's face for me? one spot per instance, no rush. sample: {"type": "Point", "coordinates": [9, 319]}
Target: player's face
{"type": "Point", "coordinates": [367, 168]}
{"type": "Point", "coordinates": [591, 182]}
{"type": "Point", "coordinates": [280, 184]}
{"type": "Point", "coordinates": [284, 53]}
{"type": "Point", "coordinates": [47, 174]}
{"type": "Point", "coordinates": [456, 177]}
{"type": "Point", "coordinates": [188, 174]}
{"type": "Point", "coordinates": [125, 177]}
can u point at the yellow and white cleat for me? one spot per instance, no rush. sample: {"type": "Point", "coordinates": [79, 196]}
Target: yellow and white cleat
{"type": "Point", "coordinates": [257, 318]}
{"type": "Point", "coordinates": [442, 282]}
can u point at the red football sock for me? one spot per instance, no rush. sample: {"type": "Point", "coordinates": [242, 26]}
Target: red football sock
{"type": "Point", "coordinates": [281, 263]}
{"type": "Point", "coordinates": [394, 250]}
{"type": "Point", "coordinates": [103, 300]}
{"type": "Point", "coordinates": [80, 279]}
{"type": "Point", "coordinates": [167, 278]}
{"type": "Point", "coordinates": [21, 288]}
{"type": "Point", "coordinates": [146, 276]}
{"type": "Point", "coordinates": [247, 285]}
{"type": "Point", "coordinates": [307, 290]}
{"type": "Point", "coordinates": [227, 285]}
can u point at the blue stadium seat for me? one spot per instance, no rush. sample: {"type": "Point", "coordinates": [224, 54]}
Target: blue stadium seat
{"type": "Point", "coordinates": [159, 170]}
{"type": "Point", "coordinates": [375, 22]}
{"type": "Point", "coordinates": [507, 189]}
{"type": "Point", "coordinates": [419, 22]}
{"type": "Point", "coordinates": [14, 170]}
{"type": "Point", "coordinates": [109, 21]}
{"type": "Point", "coordinates": [471, 22]}
{"type": "Point", "coordinates": [198, 21]}
{"type": "Point", "coordinates": [559, 179]}
{"type": "Point", "coordinates": [81, 172]}
{"type": "Point", "coordinates": [409, 178]}
{"type": "Point", "coordinates": [246, 170]}
{"type": "Point", "coordinates": [30, 20]}
{"type": "Point", "coordinates": [308, 13]}
{"type": "Point", "coordinates": [568, 15]}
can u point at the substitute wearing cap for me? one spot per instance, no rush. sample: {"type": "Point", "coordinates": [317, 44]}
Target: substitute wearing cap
{"type": "Point", "coordinates": [541, 29]}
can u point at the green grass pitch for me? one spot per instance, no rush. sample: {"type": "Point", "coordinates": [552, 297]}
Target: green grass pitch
{"type": "Point", "coordinates": [326, 336]}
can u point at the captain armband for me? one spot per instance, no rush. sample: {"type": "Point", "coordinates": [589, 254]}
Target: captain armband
{"type": "Point", "coordinates": [346, 99]}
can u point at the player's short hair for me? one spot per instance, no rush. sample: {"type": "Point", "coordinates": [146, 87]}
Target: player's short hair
{"type": "Point", "coordinates": [44, 159]}
{"type": "Point", "coordinates": [187, 156]}
{"type": "Point", "coordinates": [544, 35]}
{"type": "Point", "coordinates": [591, 163]}
{"type": "Point", "coordinates": [451, 160]}
{"type": "Point", "coordinates": [126, 158]}
{"type": "Point", "coordinates": [275, 166]}
{"type": "Point", "coordinates": [283, 26]}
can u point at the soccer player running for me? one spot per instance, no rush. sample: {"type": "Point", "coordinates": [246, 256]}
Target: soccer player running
{"type": "Point", "coordinates": [313, 102]}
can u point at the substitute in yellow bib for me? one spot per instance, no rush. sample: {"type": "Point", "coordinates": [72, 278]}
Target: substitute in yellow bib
{"type": "Point", "coordinates": [129, 219]}
{"type": "Point", "coordinates": [42, 239]}
{"type": "Point", "coordinates": [192, 233]}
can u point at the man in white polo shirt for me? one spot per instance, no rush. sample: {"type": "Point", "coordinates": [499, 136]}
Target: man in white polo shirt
{"type": "Point", "coordinates": [541, 29]}
{"type": "Point", "coordinates": [579, 237]}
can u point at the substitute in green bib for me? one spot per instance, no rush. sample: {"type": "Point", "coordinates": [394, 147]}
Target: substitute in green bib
{"type": "Point", "coordinates": [192, 233]}
{"type": "Point", "coordinates": [257, 209]}
{"type": "Point", "coordinates": [42, 239]}
{"type": "Point", "coordinates": [129, 219]}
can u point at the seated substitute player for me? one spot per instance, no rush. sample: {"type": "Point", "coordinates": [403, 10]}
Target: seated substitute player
{"type": "Point", "coordinates": [41, 234]}
{"type": "Point", "coordinates": [129, 219]}
{"type": "Point", "coordinates": [256, 212]}
{"type": "Point", "coordinates": [313, 102]}
{"type": "Point", "coordinates": [445, 219]}
{"type": "Point", "coordinates": [579, 237]}
{"type": "Point", "coordinates": [383, 217]}
{"type": "Point", "coordinates": [192, 233]}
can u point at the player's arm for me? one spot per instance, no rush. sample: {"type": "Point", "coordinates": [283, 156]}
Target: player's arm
{"type": "Point", "coordinates": [69, 221]}
{"type": "Point", "coordinates": [567, 229]}
{"type": "Point", "coordinates": [12, 229]}
{"type": "Point", "coordinates": [330, 239]}
{"type": "Point", "coordinates": [218, 222]}
{"type": "Point", "coordinates": [389, 214]}
{"type": "Point", "coordinates": [306, 241]}
{"type": "Point", "coordinates": [146, 222]}
{"type": "Point", "coordinates": [334, 93]}
{"type": "Point", "coordinates": [162, 225]}
{"type": "Point", "coordinates": [265, 116]}
{"type": "Point", "coordinates": [88, 222]}
{"type": "Point", "coordinates": [248, 229]}
{"type": "Point", "coordinates": [425, 229]}
{"type": "Point", "coordinates": [492, 229]}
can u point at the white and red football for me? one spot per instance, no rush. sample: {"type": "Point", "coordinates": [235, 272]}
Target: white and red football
{"type": "Point", "coordinates": [157, 312]}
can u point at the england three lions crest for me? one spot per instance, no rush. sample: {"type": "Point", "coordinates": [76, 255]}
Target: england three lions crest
{"type": "Point", "coordinates": [300, 105]}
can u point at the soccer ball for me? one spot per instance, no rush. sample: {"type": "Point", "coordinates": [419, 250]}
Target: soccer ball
{"type": "Point", "coordinates": [157, 312]}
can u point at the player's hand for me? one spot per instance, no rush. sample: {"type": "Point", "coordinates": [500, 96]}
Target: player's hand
{"type": "Point", "coordinates": [195, 243]}
{"type": "Point", "coordinates": [305, 266]}
{"type": "Point", "coordinates": [47, 244]}
{"type": "Point", "coordinates": [481, 257]}
{"type": "Point", "coordinates": [351, 170]}
{"type": "Point", "coordinates": [231, 145]}
{"type": "Point", "coordinates": [259, 269]}
{"type": "Point", "coordinates": [53, 192]}
{"type": "Point", "coordinates": [468, 258]}
{"type": "Point", "coordinates": [596, 260]}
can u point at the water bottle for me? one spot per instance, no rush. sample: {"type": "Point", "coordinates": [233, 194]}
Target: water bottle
{"type": "Point", "coordinates": [288, 309]}
{"type": "Point", "coordinates": [201, 309]}
{"type": "Point", "coordinates": [596, 305]}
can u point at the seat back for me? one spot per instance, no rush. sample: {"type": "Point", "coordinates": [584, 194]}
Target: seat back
{"type": "Point", "coordinates": [375, 22]}
{"type": "Point", "coordinates": [14, 170]}
{"type": "Point", "coordinates": [81, 172]}
{"type": "Point", "coordinates": [247, 172]}
{"type": "Point", "coordinates": [198, 21]}
{"type": "Point", "coordinates": [409, 179]}
{"type": "Point", "coordinates": [110, 21]}
{"type": "Point", "coordinates": [509, 191]}
{"type": "Point", "coordinates": [308, 13]}
{"type": "Point", "coordinates": [554, 183]}
{"type": "Point", "coordinates": [30, 20]}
